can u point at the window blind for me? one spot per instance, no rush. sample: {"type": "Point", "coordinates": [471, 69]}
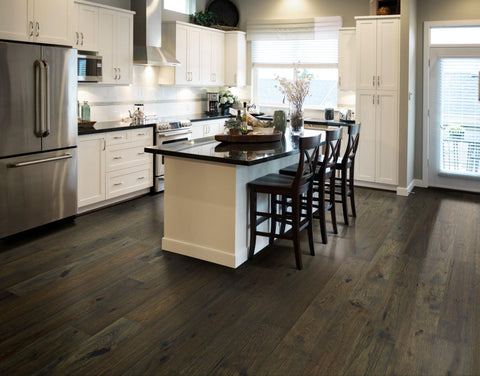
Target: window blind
{"type": "Point", "coordinates": [460, 116]}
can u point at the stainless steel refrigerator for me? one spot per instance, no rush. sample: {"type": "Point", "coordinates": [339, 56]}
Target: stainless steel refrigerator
{"type": "Point", "coordinates": [38, 135]}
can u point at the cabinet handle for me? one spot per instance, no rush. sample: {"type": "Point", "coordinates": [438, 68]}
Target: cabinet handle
{"type": "Point", "coordinates": [141, 178]}
{"type": "Point", "coordinates": [117, 137]}
{"type": "Point", "coordinates": [373, 99]}
{"type": "Point", "coordinates": [140, 134]}
{"type": "Point", "coordinates": [118, 183]}
{"type": "Point", "coordinates": [140, 153]}
{"type": "Point", "coordinates": [31, 28]}
{"type": "Point", "coordinates": [104, 143]}
{"type": "Point", "coordinates": [78, 37]}
{"type": "Point", "coordinates": [378, 99]}
{"type": "Point", "coordinates": [116, 75]}
{"type": "Point", "coordinates": [120, 157]}
{"type": "Point", "coordinates": [37, 27]}
{"type": "Point", "coordinates": [82, 38]}
{"type": "Point", "coordinates": [119, 74]}
{"type": "Point", "coordinates": [378, 81]}
{"type": "Point", "coordinates": [373, 81]}
{"type": "Point", "coordinates": [339, 81]}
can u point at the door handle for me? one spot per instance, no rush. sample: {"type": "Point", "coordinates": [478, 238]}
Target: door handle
{"type": "Point", "coordinates": [47, 98]}
{"type": "Point", "coordinates": [37, 161]}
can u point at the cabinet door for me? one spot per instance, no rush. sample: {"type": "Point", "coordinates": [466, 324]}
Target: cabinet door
{"type": "Point", "coordinates": [235, 59]}
{"type": "Point", "coordinates": [365, 159]}
{"type": "Point", "coordinates": [386, 134]}
{"type": "Point", "coordinates": [206, 57]}
{"type": "Point", "coordinates": [91, 169]}
{"type": "Point", "coordinates": [197, 130]}
{"type": "Point", "coordinates": [86, 33]}
{"type": "Point", "coordinates": [346, 59]}
{"type": "Point", "coordinates": [193, 55]}
{"type": "Point", "coordinates": [16, 20]}
{"type": "Point", "coordinates": [52, 18]}
{"type": "Point", "coordinates": [388, 49]}
{"type": "Point", "coordinates": [181, 47]}
{"type": "Point", "coordinates": [106, 45]}
{"type": "Point", "coordinates": [124, 47]}
{"type": "Point", "coordinates": [218, 59]}
{"type": "Point", "coordinates": [366, 55]}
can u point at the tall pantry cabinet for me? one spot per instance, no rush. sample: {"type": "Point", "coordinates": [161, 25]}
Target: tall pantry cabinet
{"type": "Point", "coordinates": [377, 104]}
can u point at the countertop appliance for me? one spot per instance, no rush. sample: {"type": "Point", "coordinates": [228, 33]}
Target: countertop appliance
{"type": "Point", "coordinates": [38, 142]}
{"type": "Point", "coordinates": [89, 67]}
{"type": "Point", "coordinates": [212, 104]}
{"type": "Point", "coordinates": [167, 133]}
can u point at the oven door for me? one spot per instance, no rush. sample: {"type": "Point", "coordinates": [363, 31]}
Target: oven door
{"type": "Point", "coordinates": [165, 138]}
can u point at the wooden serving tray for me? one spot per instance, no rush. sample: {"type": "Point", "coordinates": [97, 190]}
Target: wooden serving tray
{"type": "Point", "coordinates": [249, 137]}
{"type": "Point", "coordinates": [86, 124]}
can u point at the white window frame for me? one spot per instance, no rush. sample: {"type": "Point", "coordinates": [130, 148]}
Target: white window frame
{"type": "Point", "coordinates": [190, 6]}
{"type": "Point", "coordinates": [426, 81]}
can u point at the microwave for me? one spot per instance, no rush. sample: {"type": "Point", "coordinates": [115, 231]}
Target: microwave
{"type": "Point", "coordinates": [89, 68]}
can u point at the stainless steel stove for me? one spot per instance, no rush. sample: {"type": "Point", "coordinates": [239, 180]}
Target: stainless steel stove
{"type": "Point", "coordinates": [168, 133]}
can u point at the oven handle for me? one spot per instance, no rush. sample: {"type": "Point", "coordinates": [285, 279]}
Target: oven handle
{"type": "Point", "coordinates": [169, 134]}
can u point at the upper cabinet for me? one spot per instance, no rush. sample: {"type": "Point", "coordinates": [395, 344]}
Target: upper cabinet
{"type": "Point", "coordinates": [378, 57]}
{"type": "Point", "coordinates": [115, 45]}
{"type": "Point", "coordinates": [346, 59]}
{"type": "Point", "coordinates": [212, 57]}
{"type": "Point", "coordinates": [85, 33]}
{"type": "Point", "coordinates": [235, 58]}
{"type": "Point", "coordinates": [39, 21]}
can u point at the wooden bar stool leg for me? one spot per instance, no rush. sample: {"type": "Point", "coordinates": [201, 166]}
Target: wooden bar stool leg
{"type": "Point", "coordinates": [332, 204]}
{"type": "Point", "coordinates": [310, 224]}
{"type": "Point", "coordinates": [295, 231]}
{"type": "Point", "coordinates": [253, 222]}
{"type": "Point", "coordinates": [321, 211]}
{"type": "Point", "coordinates": [284, 210]}
{"type": "Point", "coordinates": [273, 221]}
{"type": "Point", "coordinates": [352, 191]}
{"type": "Point", "coordinates": [344, 197]}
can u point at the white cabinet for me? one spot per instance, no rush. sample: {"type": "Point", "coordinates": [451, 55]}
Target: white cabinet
{"type": "Point", "coordinates": [378, 50]}
{"type": "Point", "coordinates": [235, 58]}
{"type": "Point", "coordinates": [39, 21]}
{"type": "Point", "coordinates": [91, 169]}
{"type": "Point", "coordinates": [212, 52]}
{"type": "Point", "coordinates": [346, 58]}
{"type": "Point", "coordinates": [85, 33]}
{"type": "Point", "coordinates": [377, 104]}
{"type": "Point", "coordinates": [207, 128]}
{"type": "Point", "coordinates": [115, 45]}
{"type": "Point", "coordinates": [113, 164]}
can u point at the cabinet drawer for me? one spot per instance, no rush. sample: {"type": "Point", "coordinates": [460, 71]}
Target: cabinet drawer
{"type": "Point", "coordinates": [115, 138]}
{"type": "Point", "coordinates": [142, 134]}
{"type": "Point", "coordinates": [126, 157]}
{"type": "Point", "coordinates": [128, 180]}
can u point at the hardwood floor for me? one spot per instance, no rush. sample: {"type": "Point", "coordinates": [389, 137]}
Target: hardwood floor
{"type": "Point", "coordinates": [395, 293]}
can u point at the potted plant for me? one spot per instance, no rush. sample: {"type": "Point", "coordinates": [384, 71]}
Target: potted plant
{"type": "Point", "coordinates": [264, 127]}
{"type": "Point", "coordinates": [234, 126]}
{"type": "Point", "coordinates": [226, 99]}
{"type": "Point", "coordinates": [204, 18]}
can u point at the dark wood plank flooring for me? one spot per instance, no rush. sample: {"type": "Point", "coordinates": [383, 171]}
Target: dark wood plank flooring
{"type": "Point", "coordinates": [395, 293]}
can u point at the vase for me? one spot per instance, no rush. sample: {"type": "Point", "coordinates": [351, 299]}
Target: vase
{"type": "Point", "coordinates": [226, 110]}
{"type": "Point", "coordinates": [296, 120]}
{"type": "Point", "coordinates": [280, 121]}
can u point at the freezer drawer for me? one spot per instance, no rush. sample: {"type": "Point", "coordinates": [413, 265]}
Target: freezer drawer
{"type": "Point", "coordinates": [37, 189]}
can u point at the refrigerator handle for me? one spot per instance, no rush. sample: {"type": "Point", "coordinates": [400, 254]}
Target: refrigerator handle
{"type": "Point", "coordinates": [38, 98]}
{"type": "Point", "coordinates": [47, 99]}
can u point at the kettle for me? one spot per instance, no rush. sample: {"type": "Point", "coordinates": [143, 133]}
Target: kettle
{"type": "Point", "coordinates": [138, 116]}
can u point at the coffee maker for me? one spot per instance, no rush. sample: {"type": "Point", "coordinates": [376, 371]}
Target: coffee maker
{"type": "Point", "coordinates": [212, 104]}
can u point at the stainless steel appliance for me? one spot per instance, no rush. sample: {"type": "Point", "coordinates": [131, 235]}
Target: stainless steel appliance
{"type": "Point", "coordinates": [89, 67]}
{"type": "Point", "coordinates": [212, 104]}
{"type": "Point", "coordinates": [38, 135]}
{"type": "Point", "coordinates": [168, 133]}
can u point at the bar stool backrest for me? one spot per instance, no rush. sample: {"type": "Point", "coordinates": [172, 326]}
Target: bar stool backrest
{"type": "Point", "coordinates": [352, 145]}
{"type": "Point", "coordinates": [332, 149]}
{"type": "Point", "coordinates": [309, 150]}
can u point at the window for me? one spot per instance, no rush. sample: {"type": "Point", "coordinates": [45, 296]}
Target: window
{"type": "Point", "coordinates": [316, 57]}
{"type": "Point", "coordinates": [455, 35]}
{"type": "Point", "coordinates": [180, 6]}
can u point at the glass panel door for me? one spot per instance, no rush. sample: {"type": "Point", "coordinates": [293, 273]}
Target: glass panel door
{"type": "Point", "coordinates": [454, 126]}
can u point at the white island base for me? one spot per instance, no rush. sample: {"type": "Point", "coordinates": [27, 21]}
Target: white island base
{"type": "Point", "coordinates": [206, 208]}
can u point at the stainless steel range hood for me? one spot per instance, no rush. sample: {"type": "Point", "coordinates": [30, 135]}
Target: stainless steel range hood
{"type": "Point", "coordinates": [147, 34]}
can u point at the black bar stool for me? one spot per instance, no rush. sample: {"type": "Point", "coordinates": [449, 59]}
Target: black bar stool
{"type": "Point", "coordinates": [291, 188]}
{"type": "Point", "coordinates": [325, 172]}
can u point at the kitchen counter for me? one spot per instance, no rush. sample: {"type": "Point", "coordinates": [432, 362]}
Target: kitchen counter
{"type": "Point", "coordinates": [248, 154]}
{"type": "Point", "coordinates": [206, 195]}
{"type": "Point", "coordinates": [110, 126]}
{"type": "Point", "coordinates": [312, 122]}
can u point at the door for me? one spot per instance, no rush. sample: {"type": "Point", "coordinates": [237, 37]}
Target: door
{"type": "Point", "coordinates": [106, 45]}
{"type": "Point", "coordinates": [61, 97]}
{"type": "Point", "coordinates": [346, 59]}
{"type": "Point", "coordinates": [18, 94]}
{"type": "Point", "coordinates": [454, 122]}
{"type": "Point", "coordinates": [193, 55]}
{"type": "Point", "coordinates": [91, 169]}
{"type": "Point", "coordinates": [218, 58]}
{"type": "Point", "coordinates": [365, 160]}
{"type": "Point", "coordinates": [52, 18]}
{"type": "Point", "coordinates": [388, 49]}
{"type": "Point", "coordinates": [366, 37]}
{"type": "Point", "coordinates": [37, 189]}
{"type": "Point", "coordinates": [86, 33]}
{"type": "Point", "coordinates": [124, 47]}
{"type": "Point", "coordinates": [181, 54]}
{"type": "Point", "coordinates": [15, 23]}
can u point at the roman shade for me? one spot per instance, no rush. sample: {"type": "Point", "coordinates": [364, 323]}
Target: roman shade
{"type": "Point", "coordinates": [293, 29]}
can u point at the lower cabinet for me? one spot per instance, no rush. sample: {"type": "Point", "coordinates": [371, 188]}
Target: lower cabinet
{"type": "Point", "coordinates": [207, 128]}
{"type": "Point", "coordinates": [113, 164]}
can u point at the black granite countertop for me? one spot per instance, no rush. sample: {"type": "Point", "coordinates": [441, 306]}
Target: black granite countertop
{"type": "Point", "coordinates": [110, 126]}
{"type": "Point", "coordinates": [208, 149]}
{"type": "Point", "coordinates": [309, 122]}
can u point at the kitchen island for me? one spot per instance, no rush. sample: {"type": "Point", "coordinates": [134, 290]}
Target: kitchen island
{"type": "Point", "coordinates": [205, 206]}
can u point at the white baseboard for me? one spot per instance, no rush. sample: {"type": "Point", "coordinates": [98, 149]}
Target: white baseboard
{"type": "Point", "coordinates": [420, 183]}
